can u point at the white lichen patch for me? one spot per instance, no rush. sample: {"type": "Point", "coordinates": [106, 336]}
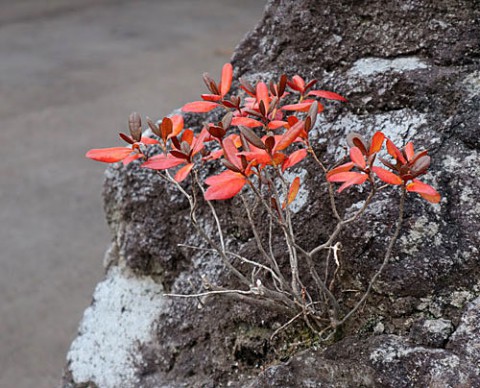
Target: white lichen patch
{"type": "Point", "coordinates": [394, 352]}
{"type": "Point", "coordinates": [422, 230]}
{"type": "Point", "coordinates": [438, 326]}
{"type": "Point", "coordinates": [459, 298]}
{"type": "Point", "coordinates": [118, 321]}
{"type": "Point", "coordinates": [399, 126]}
{"type": "Point", "coordinates": [472, 84]}
{"type": "Point", "coordinates": [467, 333]}
{"type": "Point", "coordinates": [366, 67]}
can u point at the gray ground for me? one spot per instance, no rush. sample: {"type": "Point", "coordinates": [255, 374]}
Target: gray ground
{"type": "Point", "coordinates": [70, 73]}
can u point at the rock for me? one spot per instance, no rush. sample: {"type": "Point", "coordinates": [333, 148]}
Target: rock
{"type": "Point", "coordinates": [409, 68]}
{"type": "Point", "coordinates": [431, 332]}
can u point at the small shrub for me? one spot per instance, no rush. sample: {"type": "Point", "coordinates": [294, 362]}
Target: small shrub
{"type": "Point", "coordinates": [259, 138]}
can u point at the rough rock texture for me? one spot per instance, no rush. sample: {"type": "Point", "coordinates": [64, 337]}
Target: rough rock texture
{"type": "Point", "coordinates": [410, 68]}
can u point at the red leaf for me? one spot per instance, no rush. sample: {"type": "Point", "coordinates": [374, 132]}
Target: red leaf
{"type": "Point", "coordinates": [224, 186]}
{"type": "Point", "coordinates": [426, 191]}
{"type": "Point", "coordinates": [289, 137]}
{"type": "Point", "coordinates": [246, 121]}
{"type": "Point", "coordinates": [357, 180]}
{"type": "Point", "coordinates": [211, 97]}
{"type": "Point", "coordinates": [162, 162]}
{"type": "Point", "coordinates": [148, 140]}
{"type": "Point", "coordinates": [275, 124]}
{"type": "Point", "coordinates": [292, 192]}
{"type": "Point", "coordinates": [187, 136]}
{"type": "Point", "coordinates": [226, 82]}
{"type": "Point", "coordinates": [343, 176]}
{"type": "Point", "coordinates": [395, 152]}
{"type": "Point", "coordinates": [183, 172]}
{"type": "Point", "coordinates": [409, 151]}
{"type": "Point", "coordinates": [349, 179]}
{"type": "Point", "coordinates": [258, 156]}
{"type": "Point", "coordinates": [262, 94]}
{"type": "Point", "coordinates": [278, 158]}
{"type": "Point", "coordinates": [109, 155]}
{"type": "Point", "coordinates": [328, 95]}
{"type": "Point", "coordinates": [343, 168]}
{"type": "Point", "coordinates": [357, 157]}
{"type": "Point", "coordinates": [131, 158]}
{"type": "Point", "coordinates": [377, 141]}
{"type": "Point", "coordinates": [177, 121]}
{"type": "Point", "coordinates": [199, 106]}
{"type": "Point", "coordinates": [299, 83]}
{"type": "Point", "coordinates": [230, 152]}
{"type": "Point", "coordinates": [387, 176]}
{"type": "Point", "coordinates": [199, 142]}
{"type": "Point", "coordinates": [294, 158]}
{"type": "Point", "coordinates": [301, 107]}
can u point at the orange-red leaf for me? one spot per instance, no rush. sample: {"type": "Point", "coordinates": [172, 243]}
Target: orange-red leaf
{"type": "Point", "coordinates": [409, 151]}
{"type": "Point", "coordinates": [148, 140]}
{"type": "Point", "coordinates": [292, 192]}
{"type": "Point", "coordinates": [294, 158]}
{"type": "Point", "coordinates": [357, 157]}
{"type": "Point", "coordinates": [187, 136]}
{"type": "Point", "coordinates": [395, 152]}
{"type": "Point", "coordinates": [377, 141]}
{"type": "Point", "coordinates": [259, 156]}
{"type": "Point", "coordinates": [343, 168]}
{"type": "Point", "coordinates": [199, 106]}
{"type": "Point", "coordinates": [387, 176]}
{"type": "Point", "coordinates": [199, 142]}
{"type": "Point", "coordinates": [162, 162]}
{"type": "Point", "coordinates": [262, 94]}
{"type": "Point", "coordinates": [183, 172]}
{"type": "Point", "coordinates": [224, 186]}
{"type": "Point", "coordinates": [289, 137]}
{"type": "Point", "coordinates": [246, 121]}
{"type": "Point", "coordinates": [300, 107]}
{"type": "Point", "coordinates": [211, 97]}
{"type": "Point", "coordinates": [349, 179]}
{"type": "Point", "coordinates": [357, 180]}
{"type": "Point", "coordinates": [130, 158]}
{"type": "Point", "coordinates": [177, 121]}
{"type": "Point", "coordinates": [343, 176]}
{"type": "Point", "coordinates": [426, 191]}
{"type": "Point", "coordinates": [275, 124]}
{"type": "Point", "coordinates": [230, 152]}
{"type": "Point", "coordinates": [226, 82]}
{"type": "Point", "coordinates": [109, 155]}
{"type": "Point", "coordinates": [278, 158]}
{"type": "Point", "coordinates": [328, 95]}
{"type": "Point", "coordinates": [299, 83]}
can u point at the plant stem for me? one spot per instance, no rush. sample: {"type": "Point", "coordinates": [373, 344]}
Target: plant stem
{"type": "Point", "coordinates": [386, 258]}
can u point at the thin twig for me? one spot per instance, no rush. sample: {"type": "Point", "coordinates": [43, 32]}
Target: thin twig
{"type": "Point", "coordinates": [237, 256]}
{"type": "Point", "coordinates": [208, 293]}
{"type": "Point", "coordinates": [341, 224]}
{"type": "Point", "coordinates": [386, 258]}
{"type": "Point", "coordinates": [212, 209]}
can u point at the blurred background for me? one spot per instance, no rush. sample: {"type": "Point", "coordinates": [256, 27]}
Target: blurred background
{"type": "Point", "coordinates": [70, 74]}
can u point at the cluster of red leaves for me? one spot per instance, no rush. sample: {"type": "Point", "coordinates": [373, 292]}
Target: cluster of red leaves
{"type": "Point", "coordinates": [407, 166]}
{"type": "Point", "coordinates": [136, 142]}
{"type": "Point", "coordinates": [256, 132]}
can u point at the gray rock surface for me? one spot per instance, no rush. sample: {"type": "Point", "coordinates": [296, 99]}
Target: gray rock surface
{"type": "Point", "coordinates": [408, 68]}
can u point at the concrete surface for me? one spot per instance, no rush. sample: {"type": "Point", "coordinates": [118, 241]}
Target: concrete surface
{"type": "Point", "coordinates": [70, 73]}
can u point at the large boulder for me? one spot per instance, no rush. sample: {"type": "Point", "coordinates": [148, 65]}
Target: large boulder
{"type": "Point", "coordinates": [408, 68]}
